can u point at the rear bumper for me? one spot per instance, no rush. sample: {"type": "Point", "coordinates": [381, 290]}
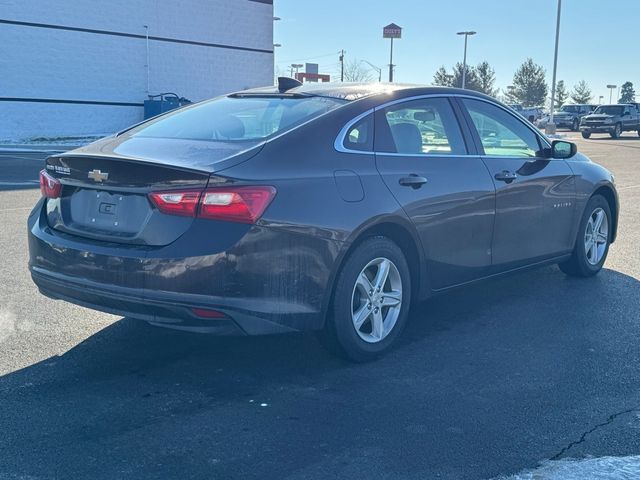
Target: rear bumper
{"type": "Point", "coordinates": [265, 280]}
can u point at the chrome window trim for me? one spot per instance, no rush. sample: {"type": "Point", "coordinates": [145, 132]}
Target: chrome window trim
{"type": "Point", "coordinates": [342, 135]}
{"type": "Point", "coordinates": [338, 144]}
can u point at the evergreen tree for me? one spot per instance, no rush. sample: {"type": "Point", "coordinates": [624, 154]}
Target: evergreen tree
{"type": "Point", "coordinates": [627, 93]}
{"type": "Point", "coordinates": [581, 93]}
{"type": "Point", "coordinates": [486, 79]}
{"type": "Point", "coordinates": [561, 94]}
{"type": "Point", "coordinates": [529, 84]}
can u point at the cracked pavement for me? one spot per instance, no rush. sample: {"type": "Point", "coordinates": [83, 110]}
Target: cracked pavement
{"type": "Point", "coordinates": [488, 380]}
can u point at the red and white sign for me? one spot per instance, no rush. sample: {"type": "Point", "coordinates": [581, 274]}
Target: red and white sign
{"type": "Point", "coordinates": [392, 31]}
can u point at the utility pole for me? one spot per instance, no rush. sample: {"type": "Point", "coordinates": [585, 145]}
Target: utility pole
{"type": "Point", "coordinates": [551, 126]}
{"type": "Point", "coordinates": [342, 65]}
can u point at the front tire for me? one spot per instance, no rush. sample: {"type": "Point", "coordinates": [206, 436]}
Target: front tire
{"type": "Point", "coordinates": [586, 134]}
{"type": "Point", "coordinates": [592, 245]}
{"type": "Point", "coordinates": [617, 131]}
{"type": "Point", "coordinates": [371, 301]}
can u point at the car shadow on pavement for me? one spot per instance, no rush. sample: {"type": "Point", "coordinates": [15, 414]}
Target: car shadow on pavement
{"type": "Point", "coordinates": [492, 377]}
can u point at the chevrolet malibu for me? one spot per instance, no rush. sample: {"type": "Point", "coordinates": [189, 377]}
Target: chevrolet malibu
{"type": "Point", "coordinates": [328, 208]}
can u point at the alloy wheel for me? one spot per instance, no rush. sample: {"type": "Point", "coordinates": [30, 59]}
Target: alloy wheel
{"type": "Point", "coordinates": [596, 236]}
{"type": "Point", "coordinates": [376, 300]}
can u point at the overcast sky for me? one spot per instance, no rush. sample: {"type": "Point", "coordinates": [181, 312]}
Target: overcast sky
{"type": "Point", "coordinates": [599, 40]}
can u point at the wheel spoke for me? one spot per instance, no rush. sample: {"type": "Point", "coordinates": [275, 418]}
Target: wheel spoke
{"type": "Point", "coordinates": [598, 221]}
{"type": "Point", "coordinates": [592, 253]}
{"type": "Point", "coordinates": [392, 298]}
{"type": "Point", "coordinates": [364, 284]}
{"type": "Point", "coordinates": [377, 325]}
{"type": "Point", "coordinates": [382, 274]}
{"type": "Point", "coordinates": [361, 316]}
{"type": "Point", "coordinates": [601, 238]}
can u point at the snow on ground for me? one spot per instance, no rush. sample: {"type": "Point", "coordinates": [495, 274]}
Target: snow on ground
{"type": "Point", "coordinates": [602, 468]}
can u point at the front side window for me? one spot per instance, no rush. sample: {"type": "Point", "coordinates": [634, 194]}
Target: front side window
{"type": "Point", "coordinates": [501, 133]}
{"type": "Point", "coordinates": [239, 118]}
{"type": "Point", "coordinates": [426, 126]}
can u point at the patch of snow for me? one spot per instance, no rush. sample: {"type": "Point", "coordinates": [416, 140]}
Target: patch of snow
{"type": "Point", "coordinates": [601, 468]}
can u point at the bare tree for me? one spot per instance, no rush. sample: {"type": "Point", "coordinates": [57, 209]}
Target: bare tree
{"type": "Point", "coordinates": [354, 71]}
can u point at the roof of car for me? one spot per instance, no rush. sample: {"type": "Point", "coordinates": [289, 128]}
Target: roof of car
{"type": "Point", "coordinates": [355, 91]}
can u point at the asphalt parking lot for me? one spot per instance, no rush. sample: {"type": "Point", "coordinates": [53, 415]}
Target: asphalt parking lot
{"type": "Point", "coordinates": [488, 380]}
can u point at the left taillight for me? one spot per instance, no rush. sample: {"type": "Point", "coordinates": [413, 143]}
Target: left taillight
{"type": "Point", "coordinates": [232, 204]}
{"type": "Point", "coordinates": [49, 186]}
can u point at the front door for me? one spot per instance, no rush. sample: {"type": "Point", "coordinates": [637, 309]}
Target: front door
{"type": "Point", "coordinates": [448, 193]}
{"type": "Point", "coordinates": [535, 195]}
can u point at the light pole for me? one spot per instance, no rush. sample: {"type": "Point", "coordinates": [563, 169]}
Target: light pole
{"type": "Point", "coordinates": [377, 69]}
{"type": "Point", "coordinates": [297, 66]}
{"type": "Point", "coordinates": [600, 99]}
{"type": "Point", "coordinates": [611, 87]}
{"type": "Point", "coordinates": [464, 61]}
{"type": "Point", "coordinates": [550, 127]}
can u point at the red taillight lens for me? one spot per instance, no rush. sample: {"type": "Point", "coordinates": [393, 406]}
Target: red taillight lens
{"type": "Point", "coordinates": [177, 203]}
{"type": "Point", "coordinates": [231, 204]}
{"type": "Point", "coordinates": [239, 204]}
{"type": "Point", "coordinates": [49, 186]}
{"type": "Point", "coordinates": [206, 313]}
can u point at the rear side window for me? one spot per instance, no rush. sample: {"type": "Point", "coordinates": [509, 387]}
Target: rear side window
{"type": "Point", "coordinates": [360, 135]}
{"type": "Point", "coordinates": [237, 118]}
{"type": "Point", "coordinates": [425, 126]}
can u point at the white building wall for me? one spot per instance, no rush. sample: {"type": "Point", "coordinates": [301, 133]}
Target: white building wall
{"type": "Point", "coordinates": [60, 64]}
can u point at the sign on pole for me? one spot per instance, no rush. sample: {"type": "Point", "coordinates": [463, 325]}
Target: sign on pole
{"type": "Point", "coordinates": [392, 31]}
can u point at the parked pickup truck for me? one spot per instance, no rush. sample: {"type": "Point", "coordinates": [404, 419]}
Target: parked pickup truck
{"type": "Point", "coordinates": [611, 119]}
{"type": "Point", "coordinates": [569, 116]}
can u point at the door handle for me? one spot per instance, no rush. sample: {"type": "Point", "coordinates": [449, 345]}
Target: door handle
{"type": "Point", "coordinates": [506, 176]}
{"type": "Point", "coordinates": [413, 181]}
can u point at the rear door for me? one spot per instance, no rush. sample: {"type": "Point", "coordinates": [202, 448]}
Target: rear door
{"type": "Point", "coordinates": [440, 183]}
{"type": "Point", "coordinates": [535, 195]}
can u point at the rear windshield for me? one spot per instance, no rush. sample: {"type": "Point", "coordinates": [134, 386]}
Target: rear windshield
{"type": "Point", "coordinates": [609, 110]}
{"type": "Point", "coordinates": [237, 118]}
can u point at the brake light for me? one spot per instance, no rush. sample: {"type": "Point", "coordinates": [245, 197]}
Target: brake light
{"type": "Point", "coordinates": [49, 186]}
{"type": "Point", "coordinates": [177, 203]}
{"type": "Point", "coordinates": [232, 204]}
{"type": "Point", "coordinates": [239, 204]}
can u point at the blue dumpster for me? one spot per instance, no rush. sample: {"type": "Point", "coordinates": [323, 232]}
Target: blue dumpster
{"type": "Point", "coordinates": [163, 102]}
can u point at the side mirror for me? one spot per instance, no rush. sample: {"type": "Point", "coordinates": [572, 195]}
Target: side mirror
{"type": "Point", "coordinates": [561, 149]}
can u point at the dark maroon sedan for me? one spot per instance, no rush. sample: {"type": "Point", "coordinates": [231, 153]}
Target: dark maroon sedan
{"type": "Point", "coordinates": [325, 207]}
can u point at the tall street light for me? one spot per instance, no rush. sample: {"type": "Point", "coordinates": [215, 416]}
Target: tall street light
{"type": "Point", "coordinates": [551, 127]}
{"type": "Point", "coordinates": [297, 67]}
{"type": "Point", "coordinates": [377, 69]}
{"type": "Point", "coordinates": [611, 87]}
{"type": "Point", "coordinates": [464, 61]}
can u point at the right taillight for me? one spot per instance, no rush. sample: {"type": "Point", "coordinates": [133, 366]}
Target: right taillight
{"type": "Point", "coordinates": [49, 186]}
{"type": "Point", "coordinates": [231, 204]}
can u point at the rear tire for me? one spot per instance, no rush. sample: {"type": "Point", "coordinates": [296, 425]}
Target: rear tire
{"type": "Point", "coordinates": [371, 302]}
{"type": "Point", "coordinates": [586, 134]}
{"type": "Point", "coordinates": [617, 130]}
{"type": "Point", "coordinates": [590, 251]}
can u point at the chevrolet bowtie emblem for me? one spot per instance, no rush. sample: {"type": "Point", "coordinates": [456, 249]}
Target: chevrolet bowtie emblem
{"type": "Point", "coordinates": [98, 176]}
